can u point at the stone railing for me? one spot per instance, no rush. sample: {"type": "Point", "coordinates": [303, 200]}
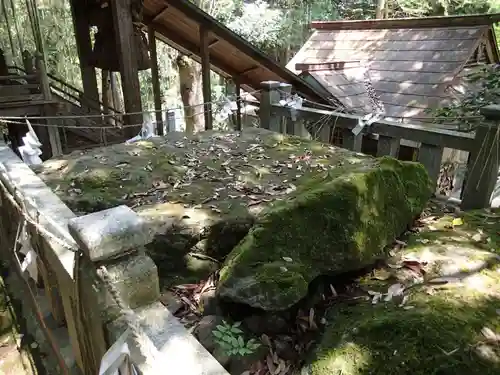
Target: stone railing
{"type": "Point", "coordinates": [482, 145]}
{"type": "Point", "coordinates": [97, 281]}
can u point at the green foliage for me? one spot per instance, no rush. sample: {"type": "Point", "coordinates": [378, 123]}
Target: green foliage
{"type": "Point", "coordinates": [230, 340]}
{"type": "Point", "coordinates": [482, 88]}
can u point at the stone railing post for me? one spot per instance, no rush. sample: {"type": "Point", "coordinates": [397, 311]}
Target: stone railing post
{"type": "Point", "coordinates": [482, 169]}
{"type": "Point", "coordinates": [115, 239]}
{"type": "Point", "coordinates": [270, 95]}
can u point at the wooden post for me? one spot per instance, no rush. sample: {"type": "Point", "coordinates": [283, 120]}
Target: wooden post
{"type": "Point", "coordinates": [482, 169]}
{"type": "Point", "coordinates": [431, 157]}
{"type": "Point", "coordinates": [155, 75]}
{"type": "Point", "coordinates": [351, 141]}
{"type": "Point", "coordinates": [28, 62]}
{"type": "Point", "coordinates": [205, 71]}
{"type": "Point", "coordinates": [171, 122]}
{"type": "Point", "coordinates": [387, 146]}
{"type": "Point", "coordinates": [52, 132]}
{"type": "Point", "coordinates": [129, 70]}
{"type": "Point", "coordinates": [237, 84]}
{"type": "Point", "coordinates": [270, 95]}
{"type": "Point", "coordinates": [84, 48]}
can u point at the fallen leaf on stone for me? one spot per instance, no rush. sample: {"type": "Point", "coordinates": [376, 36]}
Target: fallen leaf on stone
{"type": "Point", "coordinates": [490, 335]}
{"type": "Point", "coordinates": [287, 259]}
{"type": "Point", "coordinates": [334, 292]}
{"type": "Point", "coordinates": [457, 221]}
{"type": "Point", "coordinates": [448, 353]}
{"type": "Point", "coordinates": [376, 298]}
{"type": "Point", "coordinates": [415, 266]}
{"type": "Point", "coordinates": [270, 364]}
{"type": "Point", "coordinates": [394, 290]}
{"type": "Point", "coordinates": [312, 323]}
{"type": "Point", "coordinates": [422, 240]}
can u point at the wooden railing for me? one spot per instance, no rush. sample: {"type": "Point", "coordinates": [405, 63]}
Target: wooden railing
{"type": "Point", "coordinates": [482, 145]}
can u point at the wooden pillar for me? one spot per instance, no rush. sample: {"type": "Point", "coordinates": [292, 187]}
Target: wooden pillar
{"type": "Point", "coordinates": [205, 72]}
{"type": "Point", "coordinates": [237, 84]}
{"type": "Point", "coordinates": [388, 146]}
{"type": "Point", "coordinates": [431, 157]}
{"type": "Point", "coordinates": [50, 133]}
{"type": "Point", "coordinates": [84, 48]}
{"type": "Point", "coordinates": [482, 169]}
{"type": "Point", "coordinates": [129, 70]}
{"type": "Point", "coordinates": [155, 75]}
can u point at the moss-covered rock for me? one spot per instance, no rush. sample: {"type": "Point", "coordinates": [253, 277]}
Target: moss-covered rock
{"type": "Point", "coordinates": [200, 193]}
{"type": "Point", "coordinates": [336, 222]}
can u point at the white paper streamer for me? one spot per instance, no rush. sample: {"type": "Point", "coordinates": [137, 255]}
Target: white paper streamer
{"type": "Point", "coordinates": [116, 361]}
{"type": "Point", "coordinates": [30, 150]}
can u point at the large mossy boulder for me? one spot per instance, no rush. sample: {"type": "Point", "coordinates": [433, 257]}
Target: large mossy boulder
{"type": "Point", "coordinates": [336, 222]}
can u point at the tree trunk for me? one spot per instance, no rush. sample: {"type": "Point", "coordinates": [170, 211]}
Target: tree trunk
{"type": "Point", "coordinates": [107, 97]}
{"type": "Point", "coordinates": [380, 9]}
{"type": "Point", "coordinates": [191, 93]}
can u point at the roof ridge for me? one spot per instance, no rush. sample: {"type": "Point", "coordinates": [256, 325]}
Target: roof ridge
{"type": "Point", "coordinates": [476, 20]}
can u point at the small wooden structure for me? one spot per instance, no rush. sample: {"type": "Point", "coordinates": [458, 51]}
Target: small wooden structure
{"type": "Point", "coordinates": [184, 26]}
{"type": "Point", "coordinates": [410, 62]}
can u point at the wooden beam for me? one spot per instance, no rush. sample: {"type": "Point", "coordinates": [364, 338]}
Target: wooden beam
{"type": "Point", "coordinates": [205, 72]}
{"type": "Point", "coordinates": [194, 13]}
{"type": "Point", "coordinates": [238, 102]}
{"type": "Point", "coordinates": [334, 65]}
{"type": "Point", "coordinates": [248, 70]}
{"type": "Point", "coordinates": [127, 54]}
{"type": "Point", "coordinates": [160, 13]}
{"type": "Point", "coordinates": [84, 48]}
{"type": "Point", "coordinates": [213, 43]}
{"type": "Point", "coordinates": [173, 39]}
{"type": "Point", "coordinates": [155, 75]}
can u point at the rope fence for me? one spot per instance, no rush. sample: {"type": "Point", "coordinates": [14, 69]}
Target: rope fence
{"type": "Point", "coordinates": [238, 98]}
{"type": "Point", "coordinates": [433, 120]}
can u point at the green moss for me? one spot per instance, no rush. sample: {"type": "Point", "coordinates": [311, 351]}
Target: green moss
{"type": "Point", "coordinates": [435, 333]}
{"type": "Point", "coordinates": [439, 335]}
{"type": "Point", "coordinates": [332, 223]}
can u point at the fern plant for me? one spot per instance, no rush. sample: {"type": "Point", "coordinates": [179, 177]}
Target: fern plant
{"type": "Point", "coordinates": [230, 339]}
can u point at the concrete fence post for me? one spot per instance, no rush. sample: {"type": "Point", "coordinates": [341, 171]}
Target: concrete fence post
{"type": "Point", "coordinates": [482, 169]}
{"type": "Point", "coordinates": [270, 95]}
{"type": "Point", "coordinates": [115, 239]}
